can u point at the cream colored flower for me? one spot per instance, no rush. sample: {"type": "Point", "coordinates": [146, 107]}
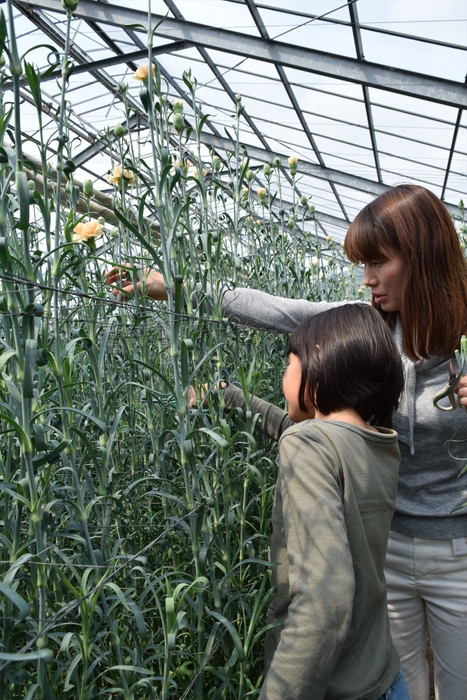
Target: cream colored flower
{"type": "Point", "coordinates": [84, 231]}
{"type": "Point", "coordinates": [116, 176]}
{"type": "Point", "coordinates": [196, 172]}
{"type": "Point", "coordinates": [183, 166]}
{"type": "Point", "coordinates": [142, 72]}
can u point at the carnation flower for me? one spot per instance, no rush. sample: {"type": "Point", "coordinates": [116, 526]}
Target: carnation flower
{"type": "Point", "coordinates": [196, 172]}
{"type": "Point", "coordinates": [85, 231]}
{"type": "Point", "coordinates": [142, 72]}
{"type": "Point", "coordinates": [117, 175]}
{"type": "Point", "coordinates": [183, 166]}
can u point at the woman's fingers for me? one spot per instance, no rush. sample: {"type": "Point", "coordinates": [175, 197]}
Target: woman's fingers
{"type": "Point", "coordinates": [154, 282]}
{"type": "Point", "coordinates": [462, 392]}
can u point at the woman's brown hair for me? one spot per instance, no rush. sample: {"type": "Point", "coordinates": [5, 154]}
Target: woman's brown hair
{"type": "Point", "coordinates": [412, 223]}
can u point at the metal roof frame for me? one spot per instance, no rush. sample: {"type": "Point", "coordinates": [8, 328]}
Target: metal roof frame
{"type": "Point", "coordinates": [182, 35]}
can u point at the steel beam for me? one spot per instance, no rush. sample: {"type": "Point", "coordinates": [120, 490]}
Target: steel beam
{"type": "Point", "coordinates": [448, 92]}
{"type": "Point", "coordinates": [336, 176]}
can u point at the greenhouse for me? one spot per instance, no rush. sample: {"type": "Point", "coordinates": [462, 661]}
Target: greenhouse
{"type": "Point", "coordinates": [177, 181]}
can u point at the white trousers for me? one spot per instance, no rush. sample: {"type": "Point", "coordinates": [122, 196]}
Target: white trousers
{"type": "Point", "coordinates": [427, 585]}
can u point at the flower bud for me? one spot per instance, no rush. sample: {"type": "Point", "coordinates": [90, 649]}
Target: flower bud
{"type": "Point", "coordinates": [276, 163]}
{"type": "Point", "coordinates": [178, 122]}
{"type": "Point", "coordinates": [178, 106]}
{"type": "Point", "coordinates": [70, 4]}
{"type": "Point", "coordinates": [216, 163]}
{"type": "Point", "coordinates": [238, 98]}
{"type": "Point", "coordinates": [87, 188]}
{"type": "Point", "coordinates": [261, 192]}
{"type": "Point", "coordinates": [293, 163]}
{"type": "Point", "coordinates": [267, 169]}
{"type": "Point", "coordinates": [119, 131]}
{"type": "Point", "coordinates": [303, 200]}
{"type": "Point", "coordinates": [249, 175]}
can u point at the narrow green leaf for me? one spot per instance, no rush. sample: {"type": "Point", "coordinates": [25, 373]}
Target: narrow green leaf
{"type": "Point", "coordinates": [232, 631]}
{"type": "Point", "coordinates": [5, 356]}
{"type": "Point", "coordinates": [215, 436]}
{"type": "Point", "coordinates": [23, 437]}
{"type": "Point", "coordinates": [48, 457]}
{"type": "Point", "coordinates": [16, 599]}
{"type": "Point", "coordinates": [44, 654]}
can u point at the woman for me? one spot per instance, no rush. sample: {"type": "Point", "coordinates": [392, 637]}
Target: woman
{"type": "Point", "coordinates": [417, 274]}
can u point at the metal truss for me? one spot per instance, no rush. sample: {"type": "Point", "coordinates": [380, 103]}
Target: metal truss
{"type": "Point", "coordinates": [433, 163]}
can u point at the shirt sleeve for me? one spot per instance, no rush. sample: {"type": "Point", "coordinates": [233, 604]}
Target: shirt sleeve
{"type": "Point", "coordinates": [321, 575]}
{"type": "Point", "coordinates": [265, 311]}
{"type": "Point", "coordinates": [273, 422]}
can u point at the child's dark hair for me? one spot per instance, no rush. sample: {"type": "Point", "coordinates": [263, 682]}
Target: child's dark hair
{"type": "Point", "coordinates": [349, 360]}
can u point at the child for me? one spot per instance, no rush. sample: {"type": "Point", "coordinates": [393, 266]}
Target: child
{"type": "Point", "coordinates": [333, 506]}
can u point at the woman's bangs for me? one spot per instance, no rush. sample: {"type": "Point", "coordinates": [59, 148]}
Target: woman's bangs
{"type": "Point", "coordinates": [361, 245]}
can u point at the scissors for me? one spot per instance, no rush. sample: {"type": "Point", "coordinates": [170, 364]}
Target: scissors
{"type": "Point", "coordinates": [448, 390]}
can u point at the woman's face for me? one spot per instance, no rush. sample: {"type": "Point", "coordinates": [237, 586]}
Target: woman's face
{"type": "Point", "coordinates": [386, 280]}
{"type": "Point", "coordinates": [291, 386]}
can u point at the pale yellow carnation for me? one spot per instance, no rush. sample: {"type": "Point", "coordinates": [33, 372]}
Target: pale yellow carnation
{"type": "Point", "coordinates": [116, 176]}
{"type": "Point", "coordinates": [84, 231]}
{"type": "Point", "coordinates": [142, 72]}
{"type": "Point", "coordinates": [196, 172]}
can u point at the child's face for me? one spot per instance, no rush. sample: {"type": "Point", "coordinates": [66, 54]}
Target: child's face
{"type": "Point", "coordinates": [291, 385]}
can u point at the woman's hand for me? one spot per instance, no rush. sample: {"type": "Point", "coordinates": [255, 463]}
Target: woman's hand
{"type": "Point", "coordinates": [462, 392]}
{"type": "Point", "coordinates": [154, 288]}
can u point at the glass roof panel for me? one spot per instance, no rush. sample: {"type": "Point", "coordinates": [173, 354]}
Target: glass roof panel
{"type": "Point", "coordinates": [319, 8]}
{"type": "Point", "coordinates": [331, 105]}
{"type": "Point", "coordinates": [311, 34]}
{"type": "Point", "coordinates": [324, 83]}
{"type": "Point", "coordinates": [414, 135]}
{"type": "Point", "coordinates": [431, 19]}
{"type": "Point", "coordinates": [415, 56]}
{"type": "Point", "coordinates": [217, 13]}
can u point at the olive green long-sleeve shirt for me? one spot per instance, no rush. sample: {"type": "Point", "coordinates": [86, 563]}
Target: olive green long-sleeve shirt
{"type": "Point", "coordinates": [332, 512]}
{"type": "Point", "coordinates": [333, 506]}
